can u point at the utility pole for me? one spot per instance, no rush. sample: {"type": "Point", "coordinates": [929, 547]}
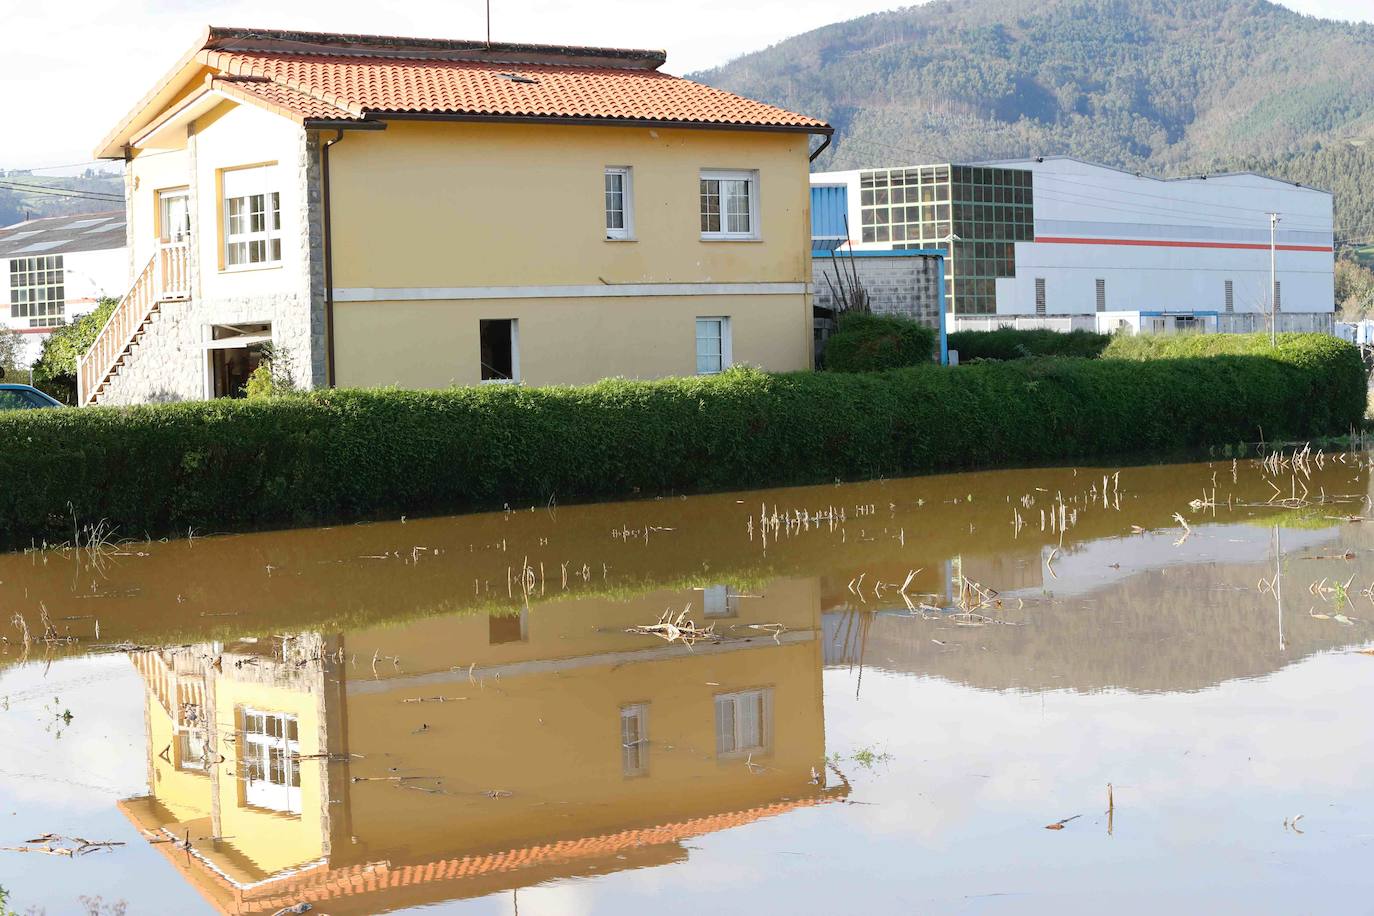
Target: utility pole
{"type": "Point", "coordinates": [1273, 279]}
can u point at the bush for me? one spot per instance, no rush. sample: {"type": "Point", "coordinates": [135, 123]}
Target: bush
{"type": "Point", "coordinates": [1009, 343]}
{"type": "Point", "coordinates": [55, 370]}
{"type": "Point", "coordinates": [345, 454]}
{"type": "Point", "coordinates": [870, 343]}
{"type": "Point", "coordinates": [1335, 392]}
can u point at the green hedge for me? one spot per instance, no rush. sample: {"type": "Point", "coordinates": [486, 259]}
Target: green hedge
{"type": "Point", "coordinates": [1336, 389]}
{"type": "Point", "coordinates": [1009, 343]}
{"type": "Point", "coordinates": [871, 343]}
{"type": "Point", "coordinates": [338, 455]}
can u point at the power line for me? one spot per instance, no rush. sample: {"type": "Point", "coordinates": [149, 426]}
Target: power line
{"type": "Point", "coordinates": [49, 168]}
{"type": "Point", "coordinates": [59, 192]}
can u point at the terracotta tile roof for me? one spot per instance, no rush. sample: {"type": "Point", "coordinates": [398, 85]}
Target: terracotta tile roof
{"type": "Point", "coordinates": [318, 883]}
{"type": "Point", "coordinates": [283, 100]}
{"type": "Point", "coordinates": [380, 85]}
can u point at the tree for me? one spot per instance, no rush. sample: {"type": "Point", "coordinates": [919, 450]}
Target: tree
{"type": "Point", "coordinates": [55, 370]}
{"type": "Point", "coordinates": [1354, 290]}
{"type": "Point", "coordinates": [11, 351]}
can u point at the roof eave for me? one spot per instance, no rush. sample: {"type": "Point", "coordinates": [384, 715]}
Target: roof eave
{"type": "Point", "coordinates": [114, 146]}
{"type": "Point", "coordinates": [820, 128]}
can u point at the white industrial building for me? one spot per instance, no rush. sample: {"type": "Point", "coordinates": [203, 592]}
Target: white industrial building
{"type": "Point", "coordinates": [1061, 243]}
{"type": "Point", "coordinates": [57, 268]}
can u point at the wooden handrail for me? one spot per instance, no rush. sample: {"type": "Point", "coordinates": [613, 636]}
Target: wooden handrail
{"type": "Point", "coordinates": [165, 276]}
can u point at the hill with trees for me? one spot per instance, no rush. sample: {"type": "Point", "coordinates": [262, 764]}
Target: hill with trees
{"type": "Point", "coordinates": [1165, 86]}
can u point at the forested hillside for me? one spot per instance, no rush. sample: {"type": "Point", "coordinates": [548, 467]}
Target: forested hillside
{"type": "Point", "coordinates": [1168, 86]}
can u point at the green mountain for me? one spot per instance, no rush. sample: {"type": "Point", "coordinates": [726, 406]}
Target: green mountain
{"type": "Point", "coordinates": [1166, 86]}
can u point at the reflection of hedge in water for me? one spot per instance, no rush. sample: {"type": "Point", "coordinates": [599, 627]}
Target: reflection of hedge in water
{"type": "Point", "coordinates": [350, 576]}
{"type": "Point", "coordinates": [1168, 629]}
{"type": "Point", "coordinates": [347, 454]}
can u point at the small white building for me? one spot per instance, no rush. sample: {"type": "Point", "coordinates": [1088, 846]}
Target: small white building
{"type": "Point", "coordinates": [1061, 243]}
{"type": "Point", "coordinates": [57, 268]}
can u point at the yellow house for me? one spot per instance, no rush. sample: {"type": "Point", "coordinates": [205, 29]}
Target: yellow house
{"type": "Point", "coordinates": [466, 754]}
{"type": "Point", "coordinates": [428, 213]}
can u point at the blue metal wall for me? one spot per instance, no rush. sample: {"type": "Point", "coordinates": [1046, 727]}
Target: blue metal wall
{"type": "Point", "coordinates": [829, 207]}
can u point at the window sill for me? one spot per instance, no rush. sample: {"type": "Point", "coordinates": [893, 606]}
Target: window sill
{"type": "Point", "coordinates": [731, 238]}
{"type": "Point", "coordinates": [610, 238]}
{"type": "Point", "coordinates": [249, 268]}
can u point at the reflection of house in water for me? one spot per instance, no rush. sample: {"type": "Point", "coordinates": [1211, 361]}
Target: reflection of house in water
{"type": "Point", "coordinates": [464, 755]}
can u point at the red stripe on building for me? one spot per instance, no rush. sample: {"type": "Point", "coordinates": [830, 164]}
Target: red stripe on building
{"type": "Point", "coordinates": [1160, 243]}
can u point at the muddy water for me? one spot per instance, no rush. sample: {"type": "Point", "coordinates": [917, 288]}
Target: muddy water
{"type": "Point", "coordinates": [902, 685]}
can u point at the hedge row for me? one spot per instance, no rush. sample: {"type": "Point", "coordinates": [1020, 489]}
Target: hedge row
{"type": "Point", "coordinates": [871, 343]}
{"type": "Point", "coordinates": [1336, 388]}
{"type": "Point", "coordinates": [1010, 343]}
{"type": "Point", "coordinates": [347, 454]}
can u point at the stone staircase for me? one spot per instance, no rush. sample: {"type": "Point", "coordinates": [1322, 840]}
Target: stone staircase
{"type": "Point", "coordinates": [165, 278]}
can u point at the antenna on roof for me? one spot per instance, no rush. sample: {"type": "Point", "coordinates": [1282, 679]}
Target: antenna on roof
{"type": "Point", "coordinates": [488, 23]}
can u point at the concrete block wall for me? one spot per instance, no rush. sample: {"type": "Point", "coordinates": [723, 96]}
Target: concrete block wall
{"type": "Point", "coordinates": [897, 284]}
{"type": "Point", "coordinates": [1254, 322]}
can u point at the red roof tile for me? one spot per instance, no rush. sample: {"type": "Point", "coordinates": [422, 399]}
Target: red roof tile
{"type": "Point", "coordinates": [282, 99]}
{"type": "Point", "coordinates": [362, 84]}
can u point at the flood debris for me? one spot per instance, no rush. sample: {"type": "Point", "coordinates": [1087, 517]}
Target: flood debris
{"type": "Point", "coordinates": [52, 844]}
{"type": "Point", "coordinates": [1291, 823]}
{"type": "Point", "coordinates": [1059, 825]}
{"type": "Point", "coordinates": [432, 699]}
{"type": "Point", "coordinates": [678, 629]}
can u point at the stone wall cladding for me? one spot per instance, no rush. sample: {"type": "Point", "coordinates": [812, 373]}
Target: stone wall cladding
{"type": "Point", "coordinates": [905, 286]}
{"type": "Point", "coordinates": [169, 363]}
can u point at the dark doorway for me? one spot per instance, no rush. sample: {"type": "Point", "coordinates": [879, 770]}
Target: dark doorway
{"type": "Point", "coordinates": [237, 351]}
{"type": "Point", "coordinates": [499, 355]}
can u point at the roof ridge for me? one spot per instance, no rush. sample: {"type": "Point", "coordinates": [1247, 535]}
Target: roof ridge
{"type": "Point", "coordinates": [401, 47]}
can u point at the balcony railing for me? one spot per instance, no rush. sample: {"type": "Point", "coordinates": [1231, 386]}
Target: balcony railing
{"type": "Point", "coordinates": [166, 276]}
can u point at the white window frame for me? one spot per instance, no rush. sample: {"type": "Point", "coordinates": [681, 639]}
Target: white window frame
{"type": "Point", "coordinates": [748, 175]}
{"type": "Point", "coordinates": [271, 231]}
{"type": "Point", "coordinates": [634, 758]}
{"type": "Point", "coordinates": [626, 232]}
{"type": "Point", "coordinates": [257, 748]}
{"type": "Point", "coordinates": [727, 355]}
{"type": "Point", "coordinates": [738, 744]}
{"type": "Point", "coordinates": [720, 601]}
{"type": "Point", "coordinates": [514, 354]}
{"type": "Point", "coordinates": [38, 290]}
{"type": "Point", "coordinates": [165, 199]}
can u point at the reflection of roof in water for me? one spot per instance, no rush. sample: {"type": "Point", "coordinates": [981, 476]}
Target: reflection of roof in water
{"type": "Point", "coordinates": [320, 883]}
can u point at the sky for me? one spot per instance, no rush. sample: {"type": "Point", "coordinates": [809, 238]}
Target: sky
{"type": "Point", "coordinates": [70, 70]}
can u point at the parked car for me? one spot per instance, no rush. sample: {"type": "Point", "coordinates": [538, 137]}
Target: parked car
{"type": "Point", "coordinates": [25, 397]}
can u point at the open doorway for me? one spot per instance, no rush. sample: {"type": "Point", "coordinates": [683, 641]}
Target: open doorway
{"type": "Point", "coordinates": [500, 349]}
{"type": "Point", "coordinates": [234, 352]}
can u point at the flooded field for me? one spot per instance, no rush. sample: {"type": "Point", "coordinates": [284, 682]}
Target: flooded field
{"type": "Point", "coordinates": [1049, 691]}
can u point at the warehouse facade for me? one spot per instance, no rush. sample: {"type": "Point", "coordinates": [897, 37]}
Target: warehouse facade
{"type": "Point", "coordinates": [1062, 243]}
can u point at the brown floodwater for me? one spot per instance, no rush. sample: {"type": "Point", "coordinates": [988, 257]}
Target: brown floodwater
{"type": "Point", "coordinates": [865, 697]}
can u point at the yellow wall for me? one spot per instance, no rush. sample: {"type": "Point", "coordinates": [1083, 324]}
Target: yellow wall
{"type": "Point", "coordinates": [272, 841]}
{"type": "Point", "coordinates": [229, 136]}
{"type": "Point", "coordinates": [452, 204]}
{"type": "Point", "coordinates": [460, 206]}
{"type": "Point", "coordinates": [456, 207]}
{"type": "Point", "coordinates": [562, 341]}
{"type": "Point", "coordinates": [233, 136]}
{"type": "Point", "coordinates": [546, 704]}
{"type": "Point", "coordinates": [185, 793]}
